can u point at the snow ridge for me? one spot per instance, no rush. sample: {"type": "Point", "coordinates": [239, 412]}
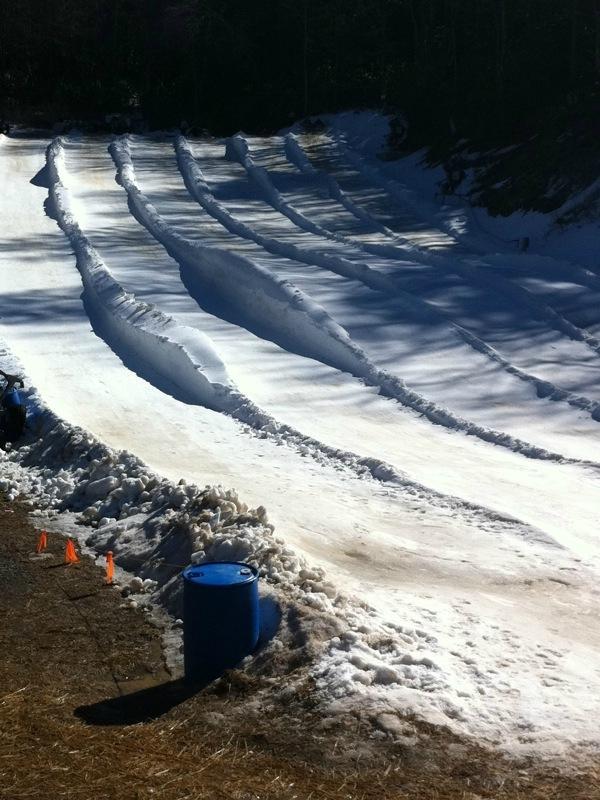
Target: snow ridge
{"type": "Point", "coordinates": [257, 294]}
{"type": "Point", "coordinates": [243, 279]}
{"type": "Point", "coordinates": [182, 355]}
{"type": "Point", "coordinates": [468, 268]}
{"type": "Point", "coordinates": [408, 303]}
{"type": "Point", "coordinates": [236, 149]}
{"type": "Point", "coordinates": [248, 284]}
{"type": "Point", "coordinates": [296, 155]}
{"type": "Point", "coordinates": [143, 327]}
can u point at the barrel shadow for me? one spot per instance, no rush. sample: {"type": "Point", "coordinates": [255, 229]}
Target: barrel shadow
{"type": "Point", "coordinates": [270, 619]}
{"type": "Point", "coordinates": [150, 703]}
{"type": "Point", "coordinates": [141, 706]}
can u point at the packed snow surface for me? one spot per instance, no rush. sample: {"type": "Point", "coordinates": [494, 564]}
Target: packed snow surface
{"type": "Point", "coordinates": [415, 403]}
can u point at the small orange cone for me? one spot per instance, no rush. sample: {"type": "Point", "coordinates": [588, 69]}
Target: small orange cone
{"type": "Point", "coordinates": [110, 567]}
{"type": "Point", "coordinates": [42, 542]}
{"type": "Point", "coordinates": [70, 554]}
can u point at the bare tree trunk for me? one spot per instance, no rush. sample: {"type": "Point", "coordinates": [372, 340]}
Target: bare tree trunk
{"type": "Point", "coordinates": [597, 37]}
{"type": "Point", "coordinates": [417, 39]}
{"type": "Point", "coordinates": [574, 60]}
{"type": "Point", "coordinates": [383, 52]}
{"type": "Point", "coordinates": [453, 51]}
{"type": "Point", "coordinates": [500, 56]}
{"type": "Point", "coordinates": [305, 57]}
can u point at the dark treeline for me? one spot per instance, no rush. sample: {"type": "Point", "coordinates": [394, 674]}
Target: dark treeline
{"type": "Point", "coordinates": [472, 66]}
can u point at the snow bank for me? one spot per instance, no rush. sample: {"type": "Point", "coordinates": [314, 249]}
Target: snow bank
{"type": "Point", "coordinates": [257, 291]}
{"type": "Point", "coordinates": [258, 296]}
{"type": "Point", "coordinates": [183, 356]}
{"type": "Point", "coordinates": [473, 270]}
{"type": "Point", "coordinates": [410, 305]}
{"type": "Point", "coordinates": [298, 157]}
{"type": "Point", "coordinates": [156, 527]}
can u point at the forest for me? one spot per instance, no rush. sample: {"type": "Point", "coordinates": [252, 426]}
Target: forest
{"type": "Point", "coordinates": [487, 69]}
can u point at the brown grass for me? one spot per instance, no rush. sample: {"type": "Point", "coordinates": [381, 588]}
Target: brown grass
{"type": "Point", "coordinates": [67, 641]}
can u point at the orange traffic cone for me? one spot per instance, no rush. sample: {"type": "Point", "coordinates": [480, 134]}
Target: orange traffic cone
{"type": "Point", "coordinates": [70, 554]}
{"type": "Point", "coordinates": [110, 567]}
{"type": "Point", "coordinates": [42, 542]}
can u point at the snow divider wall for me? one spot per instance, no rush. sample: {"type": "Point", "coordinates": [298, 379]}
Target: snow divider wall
{"type": "Point", "coordinates": [201, 192]}
{"type": "Point", "coordinates": [296, 155]}
{"type": "Point", "coordinates": [256, 293]}
{"type": "Point", "coordinates": [236, 149]}
{"type": "Point", "coordinates": [184, 356]}
{"type": "Point", "coordinates": [463, 264]}
{"type": "Point", "coordinates": [410, 305]}
{"type": "Point", "coordinates": [256, 289]}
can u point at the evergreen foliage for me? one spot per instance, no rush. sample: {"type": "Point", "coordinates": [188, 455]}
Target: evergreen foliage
{"type": "Point", "coordinates": [484, 67]}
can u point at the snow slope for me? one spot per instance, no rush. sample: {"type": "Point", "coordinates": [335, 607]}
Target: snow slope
{"type": "Point", "coordinates": [266, 315]}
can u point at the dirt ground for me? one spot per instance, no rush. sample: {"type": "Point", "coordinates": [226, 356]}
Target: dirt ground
{"type": "Point", "coordinates": [88, 710]}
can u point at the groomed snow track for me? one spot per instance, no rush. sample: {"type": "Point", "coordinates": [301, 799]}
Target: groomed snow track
{"type": "Point", "coordinates": [261, 297]}
{"type": "Point", "coordinates": [418, 412]}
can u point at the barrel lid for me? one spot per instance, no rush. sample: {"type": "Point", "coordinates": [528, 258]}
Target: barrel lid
{"type": "Point", "coordinates": [220, 573]}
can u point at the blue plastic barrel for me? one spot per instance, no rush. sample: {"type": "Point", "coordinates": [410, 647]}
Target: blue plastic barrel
{"type": "Point", "coordinates": [11, 399]}
{"type": "Point", "coordinates": [221, 617]}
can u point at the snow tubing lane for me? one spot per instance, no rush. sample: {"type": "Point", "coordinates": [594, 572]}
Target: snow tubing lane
{"type": "Point", "coordinates": [270, 303]}
{"type": "Point", "coordinates": [127, 314]}
{"type": "Point", "coordinates": [240, 273]}
{"type": "Point", "coordinates": [402, 248]}
{"type": "Point", "coordinates": [408, 303]}
{"type": "Point", "coordinates": [130, 317]}
{"type": "Point", "coordinates": [296, 155]}
{"type": "Point", "coordinates": [182, 355]}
